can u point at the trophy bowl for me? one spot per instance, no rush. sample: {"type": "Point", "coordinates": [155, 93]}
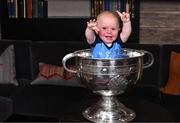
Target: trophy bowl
{"type": "Point", "coordinates": [108, 78]}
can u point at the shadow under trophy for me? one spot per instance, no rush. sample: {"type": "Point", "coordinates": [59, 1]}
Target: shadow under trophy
{"type": "Point", "coordinates": [108, 78]}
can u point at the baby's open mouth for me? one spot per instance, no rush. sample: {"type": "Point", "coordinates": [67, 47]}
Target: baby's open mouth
{"type": "Point", "coordinates": [108, 37]}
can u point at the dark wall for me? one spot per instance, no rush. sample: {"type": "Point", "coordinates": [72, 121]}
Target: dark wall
{"type": "Point", "coordinates": [44, 29]}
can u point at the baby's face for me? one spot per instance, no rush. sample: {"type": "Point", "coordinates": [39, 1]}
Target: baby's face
{"type": "Point", "coordinates": [109, 28]}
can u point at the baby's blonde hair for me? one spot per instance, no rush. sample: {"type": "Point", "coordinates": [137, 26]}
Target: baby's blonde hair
{"type": "Point", "coordinates": [113, 14]}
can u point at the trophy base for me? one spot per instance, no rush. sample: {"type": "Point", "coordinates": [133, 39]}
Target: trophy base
{"type": "Point", "coordinates": [109, 110]}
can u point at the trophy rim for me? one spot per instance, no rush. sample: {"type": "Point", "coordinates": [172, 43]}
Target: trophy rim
{"type": "Point", "coordinates": [139, 53]}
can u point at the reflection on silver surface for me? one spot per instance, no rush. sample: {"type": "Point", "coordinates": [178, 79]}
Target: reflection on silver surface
{"type": "Point", "coordinates": [109, 77]}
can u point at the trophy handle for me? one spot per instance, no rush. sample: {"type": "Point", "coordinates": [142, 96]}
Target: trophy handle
{"type": "Point", "coordinates": [150, 60]}
{"type": "Point", "coordinates": [67, 57]}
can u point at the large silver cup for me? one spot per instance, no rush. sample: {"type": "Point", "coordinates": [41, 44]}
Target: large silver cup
{"type": "Point", "coordinates": [108, 78]}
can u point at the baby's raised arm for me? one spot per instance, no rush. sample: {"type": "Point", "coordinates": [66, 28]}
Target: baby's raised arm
{"type": "Point", "coordinates": [126, 28]}
{"type": "Point", "coordinates": [91, 29]}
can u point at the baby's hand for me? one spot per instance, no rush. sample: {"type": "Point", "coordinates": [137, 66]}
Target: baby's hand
{"type": "Point", "coordinates": [125, 17]}
{"type": "Point", "coordinates": [92, 25]}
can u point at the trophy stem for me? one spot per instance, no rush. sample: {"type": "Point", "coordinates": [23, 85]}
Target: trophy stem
{"type": "Point", "coordinates": [108, 110]}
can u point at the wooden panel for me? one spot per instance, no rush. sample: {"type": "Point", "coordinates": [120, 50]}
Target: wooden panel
{"type": "Point", "coordinates": [158, 5]}
{"type": "Point", "coordinates": [160, 21]}
{"type": "Point", "coordinates": [159, 35]}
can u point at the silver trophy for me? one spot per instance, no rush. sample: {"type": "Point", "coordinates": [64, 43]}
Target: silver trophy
{"type": "Point", "coordinates": [108, 78]}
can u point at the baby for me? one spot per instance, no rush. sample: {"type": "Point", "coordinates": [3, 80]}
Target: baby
{"type": "Point", "coordinates": [104, 35]}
